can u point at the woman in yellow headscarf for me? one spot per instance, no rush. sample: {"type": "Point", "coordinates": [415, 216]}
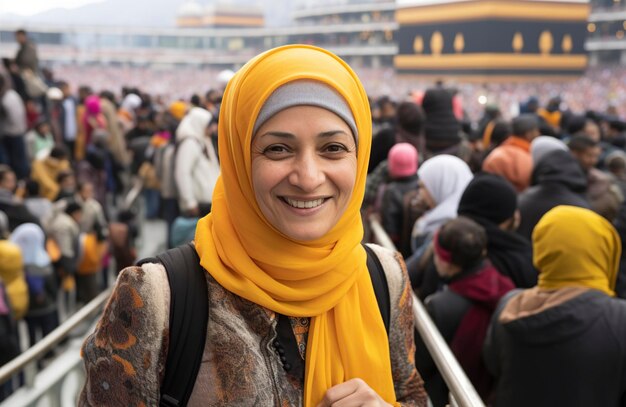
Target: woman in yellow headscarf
{"type": "Point", "coordinates": [564, 341]}
{"type": "Point", "coordinates": [285, 266]}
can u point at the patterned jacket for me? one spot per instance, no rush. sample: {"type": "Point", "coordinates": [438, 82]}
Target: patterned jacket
{"type": "Point", "coordinates": [125, 356]}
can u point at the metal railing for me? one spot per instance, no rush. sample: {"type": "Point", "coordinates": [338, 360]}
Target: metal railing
{"type": "Point", "coordinates": [462, 392]}
{"type": "Point", "coordinates": [51, 387]}
{"type": "Point", "coordinates": [59, 383]}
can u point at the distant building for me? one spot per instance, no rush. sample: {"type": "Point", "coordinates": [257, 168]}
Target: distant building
{"type": "Point", "coordinates": [360, 32]}
{"type": "Point", "coordinates": [426, 37]}
{"type": "Point", "coordinates": [492, 37]}
{"type": "Point", "coordinates": [606, 42]}
{"type": "Point", "coordinates": [194, 15]}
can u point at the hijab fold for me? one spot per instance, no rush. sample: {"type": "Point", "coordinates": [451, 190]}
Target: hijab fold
{"type": "Point", "coordinates": [325, 279]}
{"type": "Point", "coordinates": [574, 247]}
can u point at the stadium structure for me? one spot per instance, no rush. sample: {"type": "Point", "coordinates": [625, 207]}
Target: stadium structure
{"type": "Point", "coordinates": [222, 37]}
{"type": "Point", "coordinates": [442, 37]}
{"type": "Point", "coordinates": [606, 42]}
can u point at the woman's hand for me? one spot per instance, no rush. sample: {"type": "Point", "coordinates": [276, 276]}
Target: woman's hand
{"type": "Point", "coordinates": [353, 393]}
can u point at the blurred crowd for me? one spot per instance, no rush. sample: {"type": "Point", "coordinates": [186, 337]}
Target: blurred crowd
{"type": "Point", "coordinates": [72, 160]}
{"type": "Point", "coordinates": [511, 227]}
{"type": "Point", "coordinates": [599, 88]}
{"type": "Point", "coordinates": [460, 175]}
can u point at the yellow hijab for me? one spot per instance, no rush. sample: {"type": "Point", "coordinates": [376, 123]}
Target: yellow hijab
{"type": "Point", "coordinates": [326, 279]}
{"type": "Point", "coordinates": [576, 247]}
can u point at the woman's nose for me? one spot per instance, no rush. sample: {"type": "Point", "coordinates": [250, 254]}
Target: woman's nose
{"type": "Point", "coordinates": [307, 172]}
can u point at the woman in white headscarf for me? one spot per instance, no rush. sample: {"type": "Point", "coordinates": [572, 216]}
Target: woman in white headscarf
{"type": "Point", "coordinates": [196, 164]}
{"type": "Point", "coordinates": [442, 180]}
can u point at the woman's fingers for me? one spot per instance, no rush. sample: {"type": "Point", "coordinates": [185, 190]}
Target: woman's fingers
{"type": "Point", "coordinates": [353, 393]}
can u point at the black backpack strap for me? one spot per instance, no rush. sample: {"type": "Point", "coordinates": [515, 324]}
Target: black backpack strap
{"type": "Point", "coordinates": [381, 288]}
{"type": "Point", "coordinates": [189, 314]}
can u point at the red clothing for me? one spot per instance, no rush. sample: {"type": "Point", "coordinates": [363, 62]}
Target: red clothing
{"type": "Point", "coordinates": [484, 289]}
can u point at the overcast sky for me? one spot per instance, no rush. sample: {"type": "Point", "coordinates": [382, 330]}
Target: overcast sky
{"type": "Point", "coordinates": [30, 7]}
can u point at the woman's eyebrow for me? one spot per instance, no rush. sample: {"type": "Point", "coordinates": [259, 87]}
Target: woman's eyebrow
{"type": "Point", "coordinates": [331, 133]}
{"type": "Point", "coordinates": [281, 134]}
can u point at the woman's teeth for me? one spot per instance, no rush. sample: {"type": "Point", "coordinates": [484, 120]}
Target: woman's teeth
{"type": "Point", "coordinates": [304, 204]}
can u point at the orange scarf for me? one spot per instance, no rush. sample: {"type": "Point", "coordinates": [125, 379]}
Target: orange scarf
{"type": "Point", "coordinates": [326, 279]}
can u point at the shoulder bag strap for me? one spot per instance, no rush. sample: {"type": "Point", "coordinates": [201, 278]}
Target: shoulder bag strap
{"type": "Point", "coordinates": [189, 314]}
{"type": "Point", "coordinates": [381, 288]}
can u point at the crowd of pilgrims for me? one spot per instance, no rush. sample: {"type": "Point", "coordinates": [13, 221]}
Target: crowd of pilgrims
{"type": "Point", "coordinates": [460, 200]}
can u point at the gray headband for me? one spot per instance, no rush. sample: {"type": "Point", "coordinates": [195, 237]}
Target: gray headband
{"type": "Point", "coordinates": [306, 93]}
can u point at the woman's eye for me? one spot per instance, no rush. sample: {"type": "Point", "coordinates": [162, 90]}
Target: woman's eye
{"type": "Point", "coordinates": [335, 148]}
{"type": "Point", "coordinates": [275, 149]}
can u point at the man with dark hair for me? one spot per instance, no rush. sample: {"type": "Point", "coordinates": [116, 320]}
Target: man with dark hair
{"type": "Point", "coordinates": [552, 113]}
{"type": "Point", "coordinates": [195, 100]}
{"type": "Point", "coordinates": [486, 139]}
{"type": "Point", "coordinates": [67, 185]}
{"type": "Point", "coordinates": [67, 121]}
{"type": "Point", "coordinates": [15, 210]}
{"type": "Point", "coordinates": [64, 230]}
{"type": "Point", "coordinates": [93, 218]}
{"type": "Point", "coordinates": [13, 127]}
{"type": "Point", "coordinates": [585, 150]}
{"type": "Point", "coordinates": [36, 204]}
{"type": "Point", "coordinates": [512, 159]}
{"type": "Point", "coordinates": [583, 126]}
{"type": "Point", "coordinates": [614, 131]}
{"type": "Point", "coordinates": [526, 126]}
{"type": "Point", "coordinates": [212, 101]}
{"type": "Point", "coordinates": [26, 57]}
{"type": "Point", "coordinates": [604, 196]}
{"type": "Point", "coordinates": [408, 128]}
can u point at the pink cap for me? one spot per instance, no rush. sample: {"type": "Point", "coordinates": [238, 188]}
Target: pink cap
{"type": "Point", "coordinates": [402, 160]}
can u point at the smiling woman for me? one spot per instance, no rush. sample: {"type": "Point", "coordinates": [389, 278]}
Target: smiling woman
{"type": "Point", "coordinates": [294, 316]}
{"type": "Point", "coordinates": [303, 170]}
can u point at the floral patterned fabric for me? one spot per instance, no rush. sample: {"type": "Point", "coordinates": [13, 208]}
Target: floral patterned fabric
{"type": "Point", "coordinates": [125, 356]}
{"type": "Point", "coordinates": [300, 328]}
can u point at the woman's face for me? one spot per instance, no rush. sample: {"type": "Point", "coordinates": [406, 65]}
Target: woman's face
{"type": "Point", "coordinates": [304, 169]}
{"type": "Point", "coordinates": [425, 196]}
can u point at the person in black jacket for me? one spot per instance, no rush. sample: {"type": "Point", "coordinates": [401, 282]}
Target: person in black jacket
{"type": "Point", "coordinates": [563, 342]}
{"type": "Point", "coordinates": [491, 201]}
{"type": "Point", "coordinates": [557, 179]}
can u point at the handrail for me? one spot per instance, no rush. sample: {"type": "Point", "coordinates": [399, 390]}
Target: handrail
{"type": "Point", "coordinates": [132, 194]}
{"type": "Point", "coordinates": [459, 385]}
{"type": "Point", "coordinates": [461, 389]}
{"type": "Point", "coordinates": [37, 351]}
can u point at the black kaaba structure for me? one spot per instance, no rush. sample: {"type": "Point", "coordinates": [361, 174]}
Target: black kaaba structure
{"type": "Point", "coordinates": [492, 38]}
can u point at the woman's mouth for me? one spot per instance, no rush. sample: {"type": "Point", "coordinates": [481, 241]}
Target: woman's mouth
{"type": "Point", "coordinates": [304, 204]}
